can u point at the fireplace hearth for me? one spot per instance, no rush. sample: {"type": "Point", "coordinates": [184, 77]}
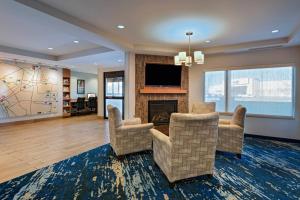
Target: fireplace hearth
{"type": "Point", "coordinates": [159, 111]}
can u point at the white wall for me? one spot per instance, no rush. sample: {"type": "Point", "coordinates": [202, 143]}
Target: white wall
{"type": "Point", "coordinates": [91, 84]}
{"type": "Point", "coordinates": [129, 85]}
{"type": "Point", "coordinates": [284, 128]}
{"type": "Point", "coordinates": [129, 99]}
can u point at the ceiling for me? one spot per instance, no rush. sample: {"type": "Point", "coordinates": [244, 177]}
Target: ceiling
{"type": "Point", "coordinates": [157, 27]}
{"type": "Point", "coordinates": [165, 22]}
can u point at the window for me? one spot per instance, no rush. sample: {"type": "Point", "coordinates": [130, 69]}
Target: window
{"type": "Point", "coordinates": [114, 86]}
{"type": "Point", "coordinates": [263, 91]}
{"type": "Point", "coordinates": [215, 89]}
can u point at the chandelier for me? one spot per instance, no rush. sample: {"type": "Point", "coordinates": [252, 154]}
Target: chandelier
{"type": "Point", "coordinates": [183, 58]}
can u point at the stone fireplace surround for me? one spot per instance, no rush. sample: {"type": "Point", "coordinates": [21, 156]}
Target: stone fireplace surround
{"type": "Point", "coordinates": [142, 99]}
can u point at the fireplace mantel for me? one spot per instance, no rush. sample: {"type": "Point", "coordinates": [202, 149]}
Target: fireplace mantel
{"type": "Point", "coordinates": [163, 90]}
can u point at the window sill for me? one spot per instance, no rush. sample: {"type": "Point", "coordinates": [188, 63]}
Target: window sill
{"type": "Point", "coordinates": [261, 116]}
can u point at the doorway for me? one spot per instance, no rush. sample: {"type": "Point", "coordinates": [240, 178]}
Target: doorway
{"type": "Point", "coordinates": [114, 91]}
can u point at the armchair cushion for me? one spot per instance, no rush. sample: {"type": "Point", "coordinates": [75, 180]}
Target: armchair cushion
{"type": "Point", "coordinates": [224, 121]}
{"type": "Point", "coordinates": [132, 121]}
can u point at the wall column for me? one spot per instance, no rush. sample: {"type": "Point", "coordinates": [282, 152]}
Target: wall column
{"type": "Point", "coordinates": [129, 85]}
{"type": "Point", "coordinates": [100, 92]}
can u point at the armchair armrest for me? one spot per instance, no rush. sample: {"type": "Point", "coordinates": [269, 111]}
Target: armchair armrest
{"type": "Point", "coordinates": [232, 127]}
{"type": "Point", "coordinates": [136, 127]}
{"type": "Point", "coordinates": [160, 137]}
{"type": "Point", "coordinates": [224, 121]}
{"type": "Point", "coordinates": [132, 121]}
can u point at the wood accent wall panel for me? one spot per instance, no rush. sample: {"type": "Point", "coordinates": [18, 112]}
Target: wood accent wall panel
{"type": "Point", "coordinates": [141, 100]}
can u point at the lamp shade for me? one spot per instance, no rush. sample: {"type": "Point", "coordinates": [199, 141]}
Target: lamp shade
{"type": "Point", "coordinates": [188, 61]}
{"type": "Point", "coordinates": [199, 57]}
{"type": "Point", "coordinates": [182, 56]}
{"type": "Point", "coordinates": [176, 60]}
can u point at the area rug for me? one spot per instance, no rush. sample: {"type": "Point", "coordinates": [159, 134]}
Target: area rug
{"type": "Point", "coordinates": [268, 170]}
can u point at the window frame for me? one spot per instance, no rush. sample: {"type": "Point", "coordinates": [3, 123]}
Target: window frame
{"type": "Point", "coordinates": [227, 78]}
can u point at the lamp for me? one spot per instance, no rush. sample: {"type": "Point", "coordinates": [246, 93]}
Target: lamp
{"type": "Point", "coordinates": [188, 60]}
{"type": "Point", "coordinates": [176, 60]}
{"type": "Point", "coordinates": [182, 56]}
{"type": "Point", "coordinates": [199, 57]}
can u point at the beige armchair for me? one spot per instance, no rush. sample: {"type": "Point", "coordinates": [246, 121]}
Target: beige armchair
{"type": "Point", "coordinates": [231, 132]}
{"type": "Point", "coordinates": [203, 107]}
{"type": "Point", "coordinates": [189, 150]}
{"type": "Point", "coordinates": [128, 136]}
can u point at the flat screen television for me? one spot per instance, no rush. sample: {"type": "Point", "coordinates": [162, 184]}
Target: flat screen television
{"type": "Point", "coordinates": [162, 75]}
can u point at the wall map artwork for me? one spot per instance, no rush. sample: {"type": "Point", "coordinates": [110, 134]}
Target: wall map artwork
{"type": "Point", "coordinates": [27, 89]}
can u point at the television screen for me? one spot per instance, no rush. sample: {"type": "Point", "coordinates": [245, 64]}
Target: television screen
{"type": "Point", "coordinates": [162, 75]}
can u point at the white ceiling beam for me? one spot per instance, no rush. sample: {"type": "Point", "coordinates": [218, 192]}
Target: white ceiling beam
{"type": "Point", "coordinates": [216, 50]}
{"type": "Point", "coordinates": [23, 52]}
{"type": "Point", "coordinates": [247, 46]}
{"type": "Point", "coordinates": [295, 35]}
{"type": "Point", "coordinates": [155, 50]}
{"type": "Point", "coordinates": [83, 53]}
{"type": "Point", "coordinates": [97, 35]}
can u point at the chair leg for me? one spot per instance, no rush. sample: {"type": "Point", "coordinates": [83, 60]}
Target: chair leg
{"type": "Point", "coordinates": [210, 176]}
{"type": "Point", "coordinates": [172, 184]}
{"type": "Point", "coordinates": [111, 150]}
{"type": "Point", "coordinates": [239, 155]}
{"type": "Point", "coordinates": [121, 157]}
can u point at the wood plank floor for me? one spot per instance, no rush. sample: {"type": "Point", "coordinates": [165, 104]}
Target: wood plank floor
{"type": "Point", "coordinates": [27, 147]}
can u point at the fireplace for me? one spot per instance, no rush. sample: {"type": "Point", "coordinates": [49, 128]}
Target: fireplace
{"type": "Point", "coordinates": [159, 111]}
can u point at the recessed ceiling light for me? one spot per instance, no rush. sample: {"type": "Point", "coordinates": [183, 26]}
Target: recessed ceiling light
{"type": "Point", "coordinates": [275, 31]}
{"type": "Point", "coordinates": [50, 48]}
{"type": "Point", "coordinates": [120, 26]}
{"type": "Point", "coordinates": [76, 41]}
{"type": "Point", "coordinates": [120, 60]}
{"type": "Point", "coordinates": [95, 63]}
{"type": "Point", "coordinates": [207, 41]}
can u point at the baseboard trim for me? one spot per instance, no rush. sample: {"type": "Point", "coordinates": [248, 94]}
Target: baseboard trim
{"type": "Point", "coordinates": [272, 138]}
{"type": "Point", "coordinates": [29, 121]}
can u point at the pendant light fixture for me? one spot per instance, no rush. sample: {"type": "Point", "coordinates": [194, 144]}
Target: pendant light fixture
{"type": "Point", "coordinates": [184, 58]}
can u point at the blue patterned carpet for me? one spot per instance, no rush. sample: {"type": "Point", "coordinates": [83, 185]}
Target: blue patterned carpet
{"type": "Point", "coordinates": [268, 170]}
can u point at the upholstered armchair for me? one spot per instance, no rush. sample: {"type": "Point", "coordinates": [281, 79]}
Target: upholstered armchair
{"type": "Point", "coordinates": [128, 136]}
{"type": "Point", "coordinates": [231, 132]}
{"type": "Point", "coordinates": [203, 107]}
{"type": "Point", "coordinates": [189, 150]}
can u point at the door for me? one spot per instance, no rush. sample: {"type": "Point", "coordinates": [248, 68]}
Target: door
{"type": "Point", "coordinates": [114, 91]}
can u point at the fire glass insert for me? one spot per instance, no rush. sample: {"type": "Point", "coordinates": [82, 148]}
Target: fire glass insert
{"type": "Point", "coordinates": [159, 111]}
